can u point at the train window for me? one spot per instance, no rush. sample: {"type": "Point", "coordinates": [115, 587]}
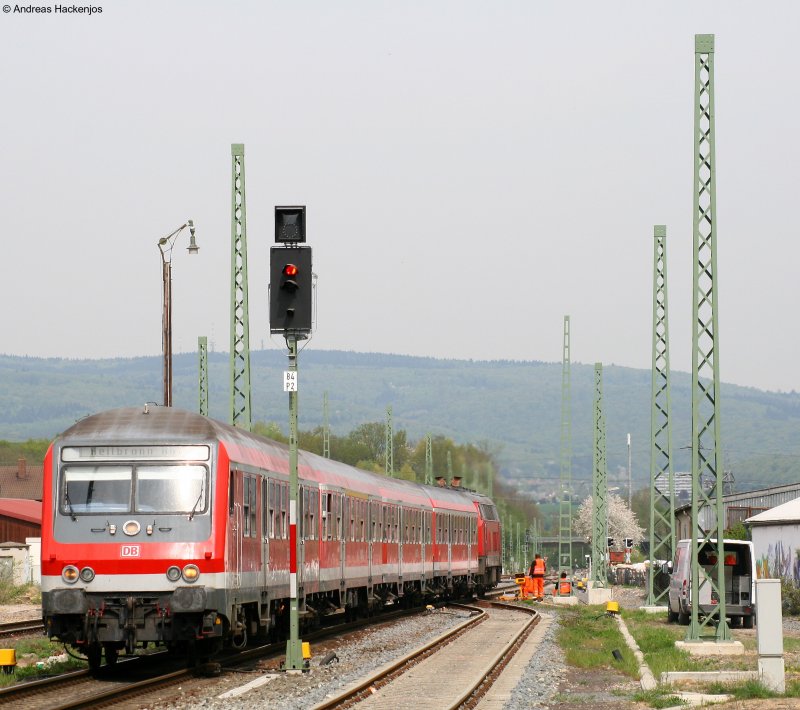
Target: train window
{"type": "Point", "coordinates": [253, 507]}
{"type": "Point", "coordinates": [326, 516]}
{"type": "Point", "coordinates": [265, 511]}
{"type": "Point", "coordinates": [246, 505]}
{"type": "Point", "coordinates": [351, 509]}
{"type": "Point", "coordinates": [270, 505]}
{"type": "Point", "coordinates": [337, 533]}
{"type": "Point", "coordinates": [313, 497]}
{"type": "Point", "coordinates": [231, 492]}
{"type": "Point", "coordinates": [163, 489]}
{"type": "Point", "coordinates": [97, 489]}
{"type": "Point", "coordinates": [284, 531]}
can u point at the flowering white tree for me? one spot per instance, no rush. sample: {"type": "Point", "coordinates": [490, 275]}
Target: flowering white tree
{"type": "Point", "coordinates": [622, 521]}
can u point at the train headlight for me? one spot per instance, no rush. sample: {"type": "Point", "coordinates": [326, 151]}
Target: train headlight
{"type": "Point", "coordinates": [87, 574]}
{"type": "Point", "coordinates": [70, 574]}
{"type": "Point", "coordinates": [191, 573]}
{"type": "Point", "coordinates": [132, 527]}
{"type": "Point", "coordinates": [174, 573]}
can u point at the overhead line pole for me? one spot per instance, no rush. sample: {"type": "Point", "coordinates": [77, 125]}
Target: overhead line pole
{"type": "Point", "coordinates": [202, 361]}
{"type": "Point", "coordinates": [389, 443]}
{"type": "Point", "coordinates": [662, 477]}
{"type": "Point", "coordinates": [565, 476]}
{"type": "Point", "coordinates": [599, 486]}
{"type": "Point", "coordinates": [707, 462]}
{"type": "Point", "coordinates": [326, 427]}
{"type": "Point", "coordinates": [240, 318]}
{"type": "Point", "coordinates": [428, 460]}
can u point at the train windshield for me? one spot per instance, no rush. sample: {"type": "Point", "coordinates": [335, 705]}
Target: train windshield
{"type": "Point", "coordinates": [170, 489]}
{"type": "Point", "coordinates": [97, 489]}
{"type": "Point", "coordinates": [153, 488]}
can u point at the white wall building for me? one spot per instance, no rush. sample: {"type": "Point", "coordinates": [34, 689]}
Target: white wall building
{"type": "Point", "coordinates": [776, 540]}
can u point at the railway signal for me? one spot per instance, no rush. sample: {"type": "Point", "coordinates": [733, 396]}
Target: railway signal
{"type": "Point", "coordinates": [290, 313]}
{"type": "Point", "coordinates": [291, 279]}
{"type": "Point", "coordinates": [291, 285]}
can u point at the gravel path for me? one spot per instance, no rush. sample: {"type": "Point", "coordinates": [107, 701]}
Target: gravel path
{"type": "Point", "coordinates": [543, 674]}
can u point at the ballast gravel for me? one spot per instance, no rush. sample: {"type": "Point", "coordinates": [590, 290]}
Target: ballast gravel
{"type": "Point", "coordinates": [544, 673]}
{"type": "Point", "coordinates": [370, 650]}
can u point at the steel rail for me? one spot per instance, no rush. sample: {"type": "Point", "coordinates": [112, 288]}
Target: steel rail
{"type": "Point", "coordinates": [355, 691]}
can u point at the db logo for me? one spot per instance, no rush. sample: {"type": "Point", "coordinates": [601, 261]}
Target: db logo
{"type": "Point", "coordinates": [130, 551]}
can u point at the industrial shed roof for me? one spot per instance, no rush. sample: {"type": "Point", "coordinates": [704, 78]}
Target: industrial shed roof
{"type": "Point", "coordinates": [21, 509]}
{"type": "Point", "coordinates": [785, 513]}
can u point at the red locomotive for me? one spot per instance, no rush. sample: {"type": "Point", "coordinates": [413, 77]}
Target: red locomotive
{"type": "Point", "coordinates": [163, 526]}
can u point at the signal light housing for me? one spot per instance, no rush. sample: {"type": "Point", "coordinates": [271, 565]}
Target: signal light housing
{"type": "Point", "coordinates": [290, 290]}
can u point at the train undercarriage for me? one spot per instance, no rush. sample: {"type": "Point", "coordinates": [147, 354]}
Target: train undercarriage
{"type": "Point", "coordinates": [187, 622]}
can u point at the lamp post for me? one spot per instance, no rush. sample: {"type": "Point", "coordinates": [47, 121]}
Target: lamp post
{"type": "Point", "coordinates": [165, 245]}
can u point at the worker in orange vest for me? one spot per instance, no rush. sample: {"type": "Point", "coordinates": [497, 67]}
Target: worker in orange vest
{"type": "Point", "coordinates": [537, 571]}
{"type": "Point", "coordinates": [527, 589]}
{"type": "Point", "coordinates": [564, 588]}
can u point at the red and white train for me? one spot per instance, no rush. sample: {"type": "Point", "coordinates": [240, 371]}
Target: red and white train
{"type": "Point", "coordinates": [163, 526]}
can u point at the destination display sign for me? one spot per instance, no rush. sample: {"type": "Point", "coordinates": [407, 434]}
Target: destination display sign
{"type": "Point", "coordinates": [135, 453]}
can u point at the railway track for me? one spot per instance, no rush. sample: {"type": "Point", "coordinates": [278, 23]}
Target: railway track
{"type": "Point", "coordinates": [479, 648]}
{"type": "Point", "coordinates": [14, 628]}
{"type": "Point", "coordinates": [130, 678]}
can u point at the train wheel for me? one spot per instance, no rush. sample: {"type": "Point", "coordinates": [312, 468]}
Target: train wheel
{"type": "Point", "coordinates": [94, 652]}
{"type": "Point", "coordinates": [112, 653]}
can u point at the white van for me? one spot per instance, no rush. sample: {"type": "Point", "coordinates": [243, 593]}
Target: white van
{"type": "Point", "coordinates": [740, 576]}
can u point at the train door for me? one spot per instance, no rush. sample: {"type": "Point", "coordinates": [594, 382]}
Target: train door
{"type": "Point", "coordinates": [371, 516]}
{"type": "Point", "coordinates": [234, 566]}
{"type": "Point", "coordinates": [339, 534]}
{"type": "Point", "coordinates": [448, 534]}
{"type": "Point", "coordinates": [425, 540]}
{"type": "Point", "coordinates": [402, 538]}
{"type": "Point", "coordinates": [266, 527]}
{"type": "Point", "coordinates": [302, 503]}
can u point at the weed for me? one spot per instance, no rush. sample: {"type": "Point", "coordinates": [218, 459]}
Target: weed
{"type": "Point", "coordinates": [659, 698]}
{"type": "Point", "coordinates": [589, 637]}
{"type": "Point", "coordinates": [745, 690]}
{"type": "Point", "coordinates": [11, 593]}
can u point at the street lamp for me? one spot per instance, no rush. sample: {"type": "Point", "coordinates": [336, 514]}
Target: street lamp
{"type": "Point", "coordinates": [165, 245]}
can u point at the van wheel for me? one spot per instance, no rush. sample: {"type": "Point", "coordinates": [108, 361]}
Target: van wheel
{"type": "Point", "coordinates": [747, 622]}
{"type": "Point", "coordinates": [683, 618]}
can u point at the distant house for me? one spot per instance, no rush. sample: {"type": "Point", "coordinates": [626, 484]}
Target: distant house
{"type": "Point", "coordinates": [20, 519]}
{"type": "Point", "coordinates": [776, 539]}
{"type": "Point", "coordinates": [21, 480]}
{"type": "Point", "coordinates": [737, 508]}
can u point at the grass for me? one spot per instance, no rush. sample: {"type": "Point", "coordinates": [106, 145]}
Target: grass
{"type": "Point", "coordinates": [11, 593]}
{"type": "Point", "coordinates": [656, 639]}
{"type": "Point", "coordinates": [589, 636]}
{"type": "Point", "coordinates": [659, 698]}
{"type": "Point", "coordinates": [39, 648]}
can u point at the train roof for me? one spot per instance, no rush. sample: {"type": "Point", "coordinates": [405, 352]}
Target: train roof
{"type": "Point", "coordinates": [169, 425]}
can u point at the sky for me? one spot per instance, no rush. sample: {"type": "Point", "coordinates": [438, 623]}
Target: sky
{"type": "Point", "coordinates": [472, 172]}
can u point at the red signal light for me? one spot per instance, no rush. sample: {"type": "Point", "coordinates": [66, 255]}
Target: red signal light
{"type": "Point", "coordinates": [290, 270]}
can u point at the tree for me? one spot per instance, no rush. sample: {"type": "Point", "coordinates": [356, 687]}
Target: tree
{"type": "Point", "coordinates": [622, 521]}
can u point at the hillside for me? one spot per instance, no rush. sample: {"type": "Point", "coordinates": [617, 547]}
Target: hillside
{"type": "Point", "coordinates": [514, 407]}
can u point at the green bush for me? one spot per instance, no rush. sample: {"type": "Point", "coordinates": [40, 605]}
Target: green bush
{"type": "Point", "coordinates": [790, 595]}
{"type": "Point", "coordinates": [11, 593]}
